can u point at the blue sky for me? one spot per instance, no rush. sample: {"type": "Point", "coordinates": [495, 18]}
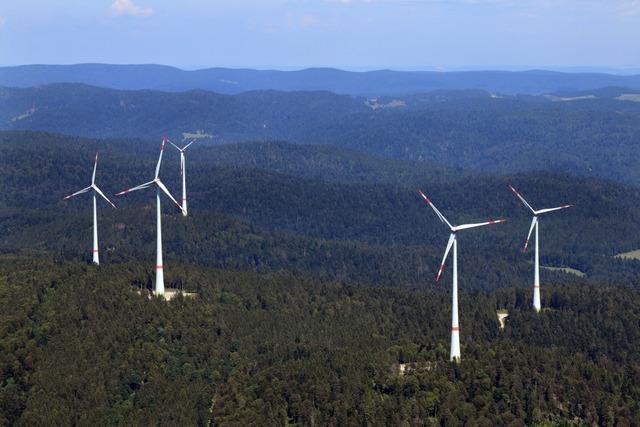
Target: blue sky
{"type": "Point", "coordinates": [360, 34]}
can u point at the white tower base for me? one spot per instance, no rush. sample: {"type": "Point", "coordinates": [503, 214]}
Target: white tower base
{"type": "Point", "coordinates": [159, 285]}
{"type": "Point", "coordinates": [455, 344]}
{"type": "Point", "coordinates": [455, 325]}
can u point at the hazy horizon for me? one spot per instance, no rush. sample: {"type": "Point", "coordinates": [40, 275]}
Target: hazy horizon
{"type": "Point", "coordinates": [363, 69]}
{"type": "Point", "coordinates": [594, 35]}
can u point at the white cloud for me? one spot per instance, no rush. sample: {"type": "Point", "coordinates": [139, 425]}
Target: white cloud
{"type": "Point", "coordinates": [631, 8]}
{"type": "Point", "coordinates": [128, 7]}
{"type": "Point", "coordinates": [295, 21]}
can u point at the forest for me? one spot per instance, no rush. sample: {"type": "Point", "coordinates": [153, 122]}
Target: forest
{"type": "Point", "coordinates": [592, 136]}
{"type": "Point", "coordinates": [80, 346]}
{"type": "Point", "coordinates": [204, 222]}
{"type": "Point", "coordinates": [311, 273]}
{"type": "Point", "coordinates": [253, 216]}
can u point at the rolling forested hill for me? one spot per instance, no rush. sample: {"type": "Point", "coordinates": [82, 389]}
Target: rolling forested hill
{"type": "Point", "coordinates": [472, 130]}
{"type": "Point", "coordinates": [252, 215]}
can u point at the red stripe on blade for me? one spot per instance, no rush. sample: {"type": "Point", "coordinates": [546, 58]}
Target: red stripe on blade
{"type": "Point", "coordinates": [424, 196]}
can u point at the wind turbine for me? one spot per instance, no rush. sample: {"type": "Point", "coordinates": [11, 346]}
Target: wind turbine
{"type": "Point", "coordinates": [183, 173]}
{"type": "Point", "coordinates": [159, 285]}
{"type": "Point", "coordinates": [94, 187]}
{"type": "Point", "coordinates": [534, 223]}
{"type": "Point", "coordinates": [453, 242]}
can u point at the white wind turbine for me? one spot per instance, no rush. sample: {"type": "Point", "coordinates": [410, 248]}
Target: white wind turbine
{"type": "Point", "coordinates": [94, 187]}
{"type": "Point", "coordinates": [453, 242]}
{"type": "Point", "coordinates": [159, 285]}
{"type": "Point", "coordinates": [183, 173]}
{"type": "Point", "coordinates": [534, 223]}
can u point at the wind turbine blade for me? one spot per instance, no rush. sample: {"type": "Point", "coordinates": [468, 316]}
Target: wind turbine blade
{"type": "Point", "coordinates": [533, 223]}
{"type": "Point", "coordinates": [163, 188]}
{"type": "Point", "coordinates": [442, 218]}
{"type": "Point", "coordinates": [95, 187]}
{"type": "Point", "coordinates": [176, 147]}
{"type": "Point", "coordinates": [522, 199]}
{"type": "Point", "coordinates": [187, 146]}
{"type": "Point", "coordinates": [541, 211]}
{"type": "Point", "coordinates": [95, 165]}
{"type": "Point", "coordinates": [160, 158]}
{"type": "Point", "coordinates": [452, 237]}
{"type": "Point", "coordinates": [480, 224]}
{"type": "Point", "coordinates": [84, 190]}
{"type": "Point", "coordinates": [139, 187]}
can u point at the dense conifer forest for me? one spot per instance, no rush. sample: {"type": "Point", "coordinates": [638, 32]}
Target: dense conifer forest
{"type": "Point", "coordinates": [311, 272]}
{"type": "Point", "coordinates": [254, 215]}
{"type": "Point", "coordinates": [444, 233]}
{"type": "Point", "coordinates": [81, 346]}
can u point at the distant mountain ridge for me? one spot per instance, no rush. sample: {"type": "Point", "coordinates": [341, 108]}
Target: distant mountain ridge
{"type": "Point", "coordinates": [379, 82]}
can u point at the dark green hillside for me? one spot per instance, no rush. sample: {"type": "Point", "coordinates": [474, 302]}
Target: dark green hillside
{"type": "Point", "coordinates": [79, 346]}
{"type": "Point", "coordinates": [257, 219]}
{"type": "Point", "coordinates": [328, 163]}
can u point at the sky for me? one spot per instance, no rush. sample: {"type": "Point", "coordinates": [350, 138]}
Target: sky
{"type": "Point", "coordinates": [352, 34]}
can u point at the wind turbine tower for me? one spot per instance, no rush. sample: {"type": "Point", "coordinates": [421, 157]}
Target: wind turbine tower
{"type": "Point", "coordinates": [453, 243]}
{"type": "Point", "coordinates": [160, 187]}
{"type": "Point", "coordinates": [183, 174]}
{"type": "Point", "coordinates": [534, 224]}
{"type": "Point", "coordinates": [94, 187]}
